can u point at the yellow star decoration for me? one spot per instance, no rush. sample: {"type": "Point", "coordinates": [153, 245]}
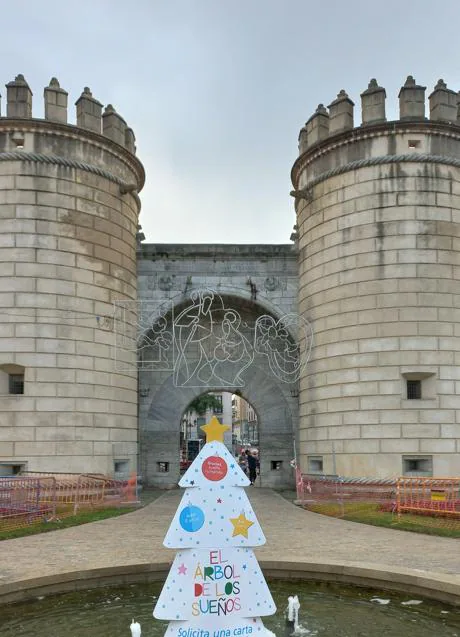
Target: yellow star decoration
{"type": "Point", "coordinates": [241, 525]}
{"type": "Point", "coordinates": [214, 430]}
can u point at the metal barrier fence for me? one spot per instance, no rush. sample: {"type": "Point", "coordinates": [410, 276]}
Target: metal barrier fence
{"type": "Point", "coordinates": [38, 497]}
{"type": "Point", "coordinates": [431, 504]}
{"type": "Point", "coordinates": [23, 501]}
{"type": "Point", "coordinates": [428, 496]}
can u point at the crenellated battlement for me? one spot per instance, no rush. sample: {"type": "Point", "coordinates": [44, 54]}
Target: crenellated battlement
{"type": "Point", "coordinates": [89, 113]}
{"type": "Point", "coordinates": [338, 117]}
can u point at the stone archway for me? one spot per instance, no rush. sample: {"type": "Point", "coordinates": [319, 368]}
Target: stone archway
{"type": "Point", "coordinates": [188, 371]}
{"type": "Point", "coordinates": [160, 432]}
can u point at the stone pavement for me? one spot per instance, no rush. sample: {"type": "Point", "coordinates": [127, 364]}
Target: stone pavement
{"type": "Point", "coordinates": [293, 534]}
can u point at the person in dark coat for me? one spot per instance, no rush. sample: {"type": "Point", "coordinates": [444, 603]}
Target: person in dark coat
{"type": "Point", "coordinates": [252, 466]}
{"type": "Point", "coordinates": [243, 461]}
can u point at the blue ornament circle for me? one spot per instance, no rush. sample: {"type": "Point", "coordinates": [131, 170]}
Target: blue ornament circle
{"type": "Point", "coordinates": [191, 518]}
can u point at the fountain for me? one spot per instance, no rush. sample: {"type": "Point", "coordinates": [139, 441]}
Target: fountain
{"type": "Point", "coordinates": [326, 610]}
{"type": "Point", "coordinates": [330, 609]}
{"type": "Point", "coordinates": [135, 629]}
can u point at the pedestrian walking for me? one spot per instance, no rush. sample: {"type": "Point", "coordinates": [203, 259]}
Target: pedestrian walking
{"type": "Point", "coordinates": [252, 466]}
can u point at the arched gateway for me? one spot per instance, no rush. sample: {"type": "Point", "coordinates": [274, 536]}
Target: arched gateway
{"type": "Point", "coordinates": [217, 318]}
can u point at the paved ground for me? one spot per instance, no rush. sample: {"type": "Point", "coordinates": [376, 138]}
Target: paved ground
{"type": "Point", "coordinates": [292, 534]}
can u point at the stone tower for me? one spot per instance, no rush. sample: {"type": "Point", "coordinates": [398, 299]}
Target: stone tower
{"type": "Point", "coordinates": [68, 220]}
{"type": "Point", "coordinates": [378, 215]}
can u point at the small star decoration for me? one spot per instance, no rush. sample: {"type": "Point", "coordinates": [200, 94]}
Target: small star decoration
{"type": "Point", "coordinates": [241, 525]}
{"type": "Point", "coordinates": [219, 500]}
{"type": "Point", "coordinates": [214, 430]}
{"type": "Point", "coordinates": [182, 570]}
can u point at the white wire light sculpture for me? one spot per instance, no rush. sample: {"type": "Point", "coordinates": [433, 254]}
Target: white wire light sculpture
{"type": "Point", "coordinates": [207, 343]}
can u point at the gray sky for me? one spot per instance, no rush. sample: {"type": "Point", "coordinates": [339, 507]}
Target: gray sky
{"type": "Point", "coordinates": [217, 90]}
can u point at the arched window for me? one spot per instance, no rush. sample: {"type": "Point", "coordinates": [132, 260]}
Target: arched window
{"type": "Point", "coordinates": [11, 379]}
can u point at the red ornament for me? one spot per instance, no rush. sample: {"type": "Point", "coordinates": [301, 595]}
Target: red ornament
{"type": "Point", "coordinates": [214, 468]}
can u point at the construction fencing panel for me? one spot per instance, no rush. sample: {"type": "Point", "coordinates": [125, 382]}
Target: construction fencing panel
{"type": "Point", "coordinates": [38, 497]}
{"type": "Point", "coordinates": [431, 505]}
{"type": "Point", "coordinates": [341, 497]}
{"type": "Point", "coordinates": [436, 497]}
{"type": "Point", "coordinates": [25, 501]}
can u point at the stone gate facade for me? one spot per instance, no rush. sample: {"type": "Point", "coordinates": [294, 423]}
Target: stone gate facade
{"type": "Point", "coordinates": [245, 283]}
{"type": "Point", "coordinates": [102, 347]}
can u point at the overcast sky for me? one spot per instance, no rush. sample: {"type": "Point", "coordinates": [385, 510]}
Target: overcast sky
{"type": "Point", "coordinates": [217, 90]}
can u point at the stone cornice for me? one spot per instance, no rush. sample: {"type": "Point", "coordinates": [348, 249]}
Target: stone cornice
{"type": "Point", "coordinates": [426, 127]}
{"type": "Point", "coordinates": [70, 131]}
{"type": "Point", "coordinates": [216, 250]}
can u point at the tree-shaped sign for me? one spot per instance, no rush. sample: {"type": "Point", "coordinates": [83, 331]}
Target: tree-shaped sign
{"type": "Point", "coordinates": [215, 587]}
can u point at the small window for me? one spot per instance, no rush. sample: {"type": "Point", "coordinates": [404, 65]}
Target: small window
{"type": "Point", "coordinates": [414, 389]}
{"type": "Point", "coordinates": [218, 409]}
{"type": "Point", "coordinates": [315, 464]}
{"type": "Point", "coordinates": [418, 384]}
{"type": "Point", "coordinates": [121, 466]}
{"type": "Point", "coordinates": [163, 467]}
{"type": "Point", "coordinates": [16, 383]}
{"type": "Point", "coordinates": [414, 143]}
{"type": "Point", "coordinates": [7, 469]}
{"type": "Point", "coordinates": [417, 465]}
{"type": "Point", "coordinates": [18, 140]}
{"type": "Point", "coordinates": [276, 465]}
{"type": "Point", "coordinates": [11, 379]}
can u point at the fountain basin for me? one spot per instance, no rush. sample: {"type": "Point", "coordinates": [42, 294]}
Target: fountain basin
{"type": "Point", "coordinates": [326, 609]}
{"type": "Point", "coordinates": [441, 587]}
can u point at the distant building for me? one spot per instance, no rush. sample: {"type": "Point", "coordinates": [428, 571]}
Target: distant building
{"type": "Point", "coordinates": [245, 426]}
{"type": "Point", "coordinates": [192, 421]}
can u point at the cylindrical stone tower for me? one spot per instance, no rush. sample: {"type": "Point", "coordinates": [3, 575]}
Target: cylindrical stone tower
{"type": "Point", "coordinates": [378, 215]}
{"type": "Point", "coordinates": [68, 221]}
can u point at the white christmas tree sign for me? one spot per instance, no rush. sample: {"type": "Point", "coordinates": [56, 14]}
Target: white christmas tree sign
{"type": "Point", "coordinates": [215, 587]}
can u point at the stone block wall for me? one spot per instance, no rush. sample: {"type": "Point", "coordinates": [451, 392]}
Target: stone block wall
{"type": "Point", "coordinates": [379, 272]}
{"type": "Point", "coordinates": [67, 252]}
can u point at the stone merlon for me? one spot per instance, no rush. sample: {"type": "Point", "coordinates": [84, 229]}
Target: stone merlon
{"type": "Point", "coordinates": [444, 107]}
{"type": "Point", "coordinates": [89, 115]}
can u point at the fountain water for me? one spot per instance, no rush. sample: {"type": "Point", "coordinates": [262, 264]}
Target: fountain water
{"type": "Point", "coordinates": [292, 621]}
{"type": "Point", "coordinates": [326, 609]}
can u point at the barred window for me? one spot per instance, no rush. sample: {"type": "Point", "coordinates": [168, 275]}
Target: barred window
{"type": "Point", "coordinates": [414, 389]}
{"type": "Point", "coordinates": [16, 383]}
{"type": "Point", "coordinates": [11, 379]}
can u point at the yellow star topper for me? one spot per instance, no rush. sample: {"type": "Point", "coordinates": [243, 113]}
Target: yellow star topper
{"type": "Point", "coordinates": [214, 430]}
{"type": "Point", "coordinates": [241, 525]}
